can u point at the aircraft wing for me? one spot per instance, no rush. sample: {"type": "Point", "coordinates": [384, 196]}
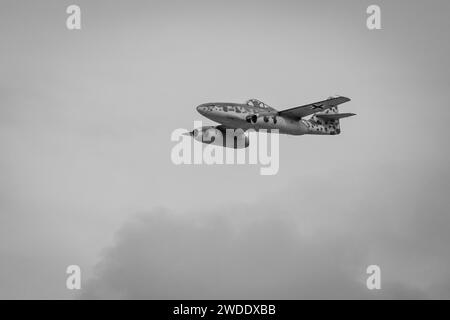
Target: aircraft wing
{"type": "Point", "coordinates": [223, 128]}
{"type": "Point", "coordinates": [307, 109]}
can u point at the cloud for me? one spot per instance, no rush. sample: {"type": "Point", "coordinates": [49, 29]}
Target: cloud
{"type": "Point", "coordinates": [160, 255]}
{"type": "Point", "coordinates": [311, 250]}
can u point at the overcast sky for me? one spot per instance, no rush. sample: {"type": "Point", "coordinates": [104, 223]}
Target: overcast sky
{"type": "Point", "coordinates": [86, 176]}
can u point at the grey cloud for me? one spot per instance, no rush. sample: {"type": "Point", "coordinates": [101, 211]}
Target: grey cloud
{"type": "Point", "coordinates": [160, 255]}
{"type": "Point", "coordinates": [305, 250]}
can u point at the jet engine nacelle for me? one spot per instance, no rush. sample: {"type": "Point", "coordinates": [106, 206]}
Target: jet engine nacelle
{"type": "Point", "coordinates": [236, 138]}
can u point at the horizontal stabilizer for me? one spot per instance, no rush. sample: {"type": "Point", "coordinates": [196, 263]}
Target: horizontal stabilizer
{"type": "Point", "coordinates": [334, 116]}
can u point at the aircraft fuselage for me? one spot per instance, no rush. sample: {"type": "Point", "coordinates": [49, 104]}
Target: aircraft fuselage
{"type": "Point", "coordinates": [236, 115]}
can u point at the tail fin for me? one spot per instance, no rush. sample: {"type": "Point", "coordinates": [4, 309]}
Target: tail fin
{"type": "Point", "coordinates": [327, 122]}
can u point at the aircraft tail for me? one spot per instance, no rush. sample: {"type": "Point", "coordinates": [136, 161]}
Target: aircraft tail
{"type": "Point", "coordinates": [327, 122]}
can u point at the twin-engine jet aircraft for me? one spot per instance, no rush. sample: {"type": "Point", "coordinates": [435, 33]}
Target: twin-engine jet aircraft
{"type": "Point", "coordinates": [256, 115]}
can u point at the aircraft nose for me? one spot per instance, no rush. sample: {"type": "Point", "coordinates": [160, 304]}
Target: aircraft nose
{"type": "Point", "coordinates": [202, 108]}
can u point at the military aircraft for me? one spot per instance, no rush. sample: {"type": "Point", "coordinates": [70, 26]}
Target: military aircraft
{"type": "Point", "coordinates": [237, 118]}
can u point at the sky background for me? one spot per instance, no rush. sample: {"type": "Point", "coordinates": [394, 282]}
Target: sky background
{"type": "Point", "coordinates": [86, 176]}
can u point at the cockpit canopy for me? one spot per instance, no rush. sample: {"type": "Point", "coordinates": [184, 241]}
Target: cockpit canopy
{"type": "Point", "coordinates": [257, 103]}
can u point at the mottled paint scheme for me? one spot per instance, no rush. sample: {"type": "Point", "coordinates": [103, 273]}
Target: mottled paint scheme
{"type": "Point", "coordinates": [316, 125]}
{"type": "Point", "coordinates": [236, 115]}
